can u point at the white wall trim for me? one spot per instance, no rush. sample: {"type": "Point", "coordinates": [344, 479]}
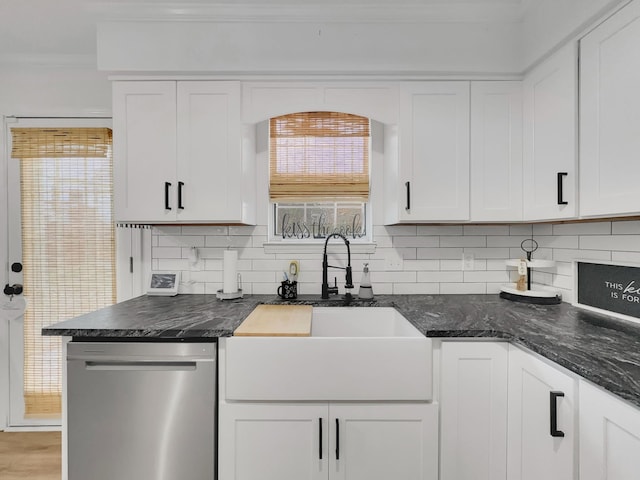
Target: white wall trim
{"type": "Point", "coordinates": [328, 12]}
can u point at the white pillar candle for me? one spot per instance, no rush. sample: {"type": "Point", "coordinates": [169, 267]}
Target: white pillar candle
{"type": "Point", "coordinates": [230, 274]}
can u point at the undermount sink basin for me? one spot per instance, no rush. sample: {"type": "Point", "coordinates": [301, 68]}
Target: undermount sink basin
{"type": "Point", "coordinates": [353, 353]}
{"type": "Point", "coordinates": [360, 322]}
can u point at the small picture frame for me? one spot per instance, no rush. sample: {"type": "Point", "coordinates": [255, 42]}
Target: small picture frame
{"type": "Point", "coordinates": [163, 283]}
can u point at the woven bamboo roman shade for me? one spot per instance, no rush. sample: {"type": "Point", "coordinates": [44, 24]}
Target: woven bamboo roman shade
{"type": "Point", "coordinates": [319, 156]}
{"type": "Point", "coordinates": [68, 244]}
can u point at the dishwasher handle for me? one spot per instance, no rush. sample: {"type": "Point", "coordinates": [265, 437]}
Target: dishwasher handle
{"type": "Point", "coordinates": [159, 366]}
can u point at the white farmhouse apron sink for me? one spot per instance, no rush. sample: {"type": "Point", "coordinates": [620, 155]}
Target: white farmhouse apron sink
{"type": "Point", "coordinates": [353, 353]}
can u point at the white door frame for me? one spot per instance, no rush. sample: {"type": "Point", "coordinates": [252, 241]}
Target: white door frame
{"type": "Point", "coordinates": [4, 274]}
{"type": "Point", "coordinates": [14, 405]}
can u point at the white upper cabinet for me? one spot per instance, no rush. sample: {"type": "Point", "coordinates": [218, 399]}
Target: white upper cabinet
{"type": "Point", "coordinates": [181, 153]}
{"type": "Point", "coordinates": [550, 119]}
{"type": "Point", "coordinates": [610, 116]}
{"type": "Point", "coordinates": [211, 165]}
{"type": "Point", "coordinates": [144, 151]}
{"type": "Point", "coordinates": [427, 177]}
{"type": "Point", "coordinates": [496, 151]}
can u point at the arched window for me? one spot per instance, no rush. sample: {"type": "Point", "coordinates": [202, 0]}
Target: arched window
{"type": "Point", "coordinates": [319, 174]}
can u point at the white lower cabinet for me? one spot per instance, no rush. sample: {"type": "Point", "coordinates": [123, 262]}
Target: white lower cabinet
{"type": "Point", "coordinates": [609, 436]}
{"type": "Point", "coordinates": [273, 441]}
{"type": "Point", "coordinates": [542, 419]}
{"type": "Point", "coordinates": [336, 441]}
{"type": "Point", "coordinates": [473, 420]}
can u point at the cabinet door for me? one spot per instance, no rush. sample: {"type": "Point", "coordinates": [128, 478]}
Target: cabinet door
{"type": "Point", "coordinates": [209, 152]}
{"type": "Point", "coordinates": [609, 106]}
{"type": "Point", "coordinates": [273, 441]}
{"type": "Point", "coordinates": [383, 441]}
{"type": "Point", "coordinates": [609, 436]}
{"type": "Point", "coordinates": [473, 419]}
{"type": "Point", "coordinates": [434, 152]}
{"type": "Point", "coordinates": [144, 151]}
{"type": "Point", "coordinates": [534, 388]}
{"type": "Point", "coordinates": [496, 151]}
{"type": "Point", "coordinates": [550, 118]}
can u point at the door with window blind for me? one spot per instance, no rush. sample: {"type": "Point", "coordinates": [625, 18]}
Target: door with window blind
{"type": "Point", "coordinates": [61, 230]}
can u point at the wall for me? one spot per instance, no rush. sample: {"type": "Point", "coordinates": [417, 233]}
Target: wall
{"type": "Point", "coordinates": [548, 23]}
{"type": "Point", "coordinates": [336, 47]}
{"type": "Point", "coordinates": [432, 256]}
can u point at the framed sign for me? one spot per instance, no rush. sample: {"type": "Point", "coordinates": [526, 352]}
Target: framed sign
{"type": "Point", "coordinates": [163, 283]}
{"type": "Point", "coordinates": [610, 288]}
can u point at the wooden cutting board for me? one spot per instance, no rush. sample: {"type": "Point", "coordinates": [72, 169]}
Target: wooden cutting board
{"type": "Point", "coordinates": [277, 321]}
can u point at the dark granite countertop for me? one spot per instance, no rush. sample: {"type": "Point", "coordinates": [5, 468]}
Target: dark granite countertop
{"type": "Point", "coordinates": [601, 349]}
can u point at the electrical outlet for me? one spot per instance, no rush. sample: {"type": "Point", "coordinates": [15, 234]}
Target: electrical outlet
{"type": "Point", "coordinates": [393, 261]}
{"type": "Point", "coordinates": [293, 269]}
{"type": "Point", "coordinates": [468, 261]}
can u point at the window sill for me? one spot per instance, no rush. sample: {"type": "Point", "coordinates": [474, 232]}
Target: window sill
{"type": "Point", "coordinates": [300, 247]}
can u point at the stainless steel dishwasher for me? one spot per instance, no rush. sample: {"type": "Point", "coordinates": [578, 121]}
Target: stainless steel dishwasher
{"type": "Point", "coordinates": [141, 411]}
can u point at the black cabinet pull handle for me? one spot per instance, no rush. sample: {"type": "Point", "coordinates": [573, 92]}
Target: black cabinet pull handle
{"type": "Point", "coordinates": [167, 185]}
{"type": "Point", "coordinates": [561, 200]}
{"type": "Point", "coordinates": [553, 408]}
{"type": "Point", "coordinates": [337, 439]}
{"type": "Point", "coordinates": [320, 438]}
{"type": "Point", "coordinates": [180, 185]}
{"type": "Point", "coordinates": [408, 187]}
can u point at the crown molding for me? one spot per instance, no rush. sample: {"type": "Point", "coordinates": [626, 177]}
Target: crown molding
{"type": "Point", "coordinates": [333, 13]}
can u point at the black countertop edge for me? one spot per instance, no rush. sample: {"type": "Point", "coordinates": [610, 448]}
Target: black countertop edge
{"type": "Point", "coordinates": [599, 348]}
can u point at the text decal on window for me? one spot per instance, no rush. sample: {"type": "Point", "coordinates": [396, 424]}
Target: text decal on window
{"type": "Point", "coordinates": [318, 220]}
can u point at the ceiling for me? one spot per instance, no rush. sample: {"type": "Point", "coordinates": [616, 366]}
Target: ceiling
{"type": "Point", "coordinates": [41, 28]}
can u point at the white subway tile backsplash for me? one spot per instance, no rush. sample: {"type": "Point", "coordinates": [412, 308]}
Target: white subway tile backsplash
{"type": "Point", "coordinates": [521, 230]}
{"type": "Point", "coordinates": [626, 257]}
{"type": "Point", "coordinates": [393, 277]}
{"type": "Point", "coordinates": [236, 241]}
{"type": "Point", "coordinates": [463, 241]}
{"type": "Point", "coordinates": [488, 252]}
{"type": "Point", "coordinates": [595, 228]}
{"type": "Point", "coordinates": [205, 230]}
{"type": "Point", "coordinates": [173, 264]}
{"type": "Point", "coordinates": [506, 241]}
{"type": "Point", "coordinates": [451, 265]}
{"type": "Point", "coordinates": [415, 289]}
{"type": "Point", "coordinates": [554, 241]}
{"type": "Point", "coordinates": [401, 242]}
{"type": "Point", "coordinates": [440, 230]}
{"type": "Point", "coordinates": [486, 229]}
{"type": "Point", "coordinates": [568, 255]}
{"type": "Point", "coordinates": [631, 227]}
{"type": "Point", "coordinates": [181, 241]}
{"type": "Point", "coordinates": [431, 256]}
{"type": "Point", "coordinates": [627, 243]}
{"type": "Point", "coordinates": [439, 277]}
{"type": "Point", "coordinates": [488, 276]}
{"type": "Point", "coordinates": [395, 230]}
{"type": "Point", "coordinates": [422, 265]}
{"type": "Point", "coordinates": [439, 253]}
{"type": "Point", "coordinates": [166, 230]}
{"type": "Point", "coordinates": [167, 252]}
{"type": "Point", "coordinates": [542, 229]}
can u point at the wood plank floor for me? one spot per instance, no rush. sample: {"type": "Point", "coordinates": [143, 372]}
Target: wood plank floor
{"type": "Point", "coordinates": [32, 455]}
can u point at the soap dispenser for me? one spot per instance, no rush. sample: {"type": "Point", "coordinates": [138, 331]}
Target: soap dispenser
{"type": "Point", "coordinates": [366, 291]}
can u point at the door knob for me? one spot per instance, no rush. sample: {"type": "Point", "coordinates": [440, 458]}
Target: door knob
{"type": "Point", "coordinates": [16, 267]}
{"type": "Point", "coordinates": [15, 289]}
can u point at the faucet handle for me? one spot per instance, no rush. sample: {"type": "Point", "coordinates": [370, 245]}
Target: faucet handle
{"type": "Point", "coordinates": [334, 289]}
